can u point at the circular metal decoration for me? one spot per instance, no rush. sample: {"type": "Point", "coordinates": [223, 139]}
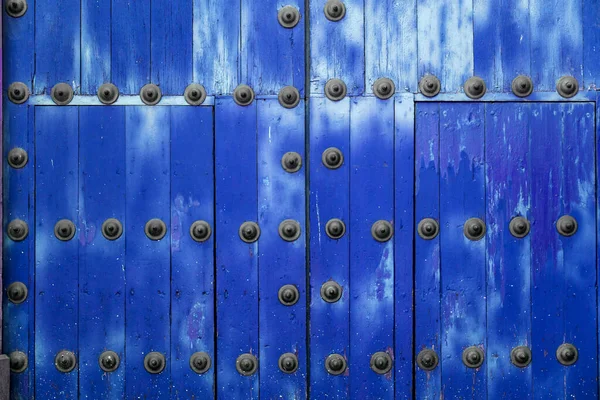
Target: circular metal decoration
{"type": "Point", "coordinates": [473, 357]}
{"type": "Point", "coordinates": [62, 94]}
{"type": "Point", "coordinates": [18, 361]}
{"type": "Point", "coordinates": [109, 361]}
{"type": "Point", "coordinates": [566, 225]}
{"type": "Point", "coordinates": [519, 227]}
{"type": "Point", "coordinates": [112, 229]}
{"type": "Point", "coordinates": [17, 292]}
{"type": "Point", "coordinates": [195, 94]}
{"type": "Point", "coordinates": [428, 228]}
{"type": "Point", "coordinates": [332, 158]}
{"type": "Point", "coordinates": [291, 162]}
{"type": "Point", "coordinates": [17, 230]}
{"type": "Point", "coordinates": [335, 364]}
{"type": "Point", "coordinates": [288, 363]}
{"type": "Point", "coordinates": [289, 97]}
{"type": "Point", "coordinates": [155, 229]}
{"type": "Point", "coordinates": [288, 16]}
{"type": "Point", "coordinates": [567, 86]}
{"type": "Point", "coordinates": [384, 88]}
{"type": "Point", "coordinates": [335, 89]}
{"type": "Point", "coordinates": [243, 95]}
{"type": "Point", "coordinates": [381, 363]}
{"type": "Point", "coordinates": [522, 86]}
{"type": "Point", "coordinates": [108, 93]}
{"type": "Point", "coordinates": [430, 85]}
{"type": "Point", "coordinates": [475, 87]}
{"type": "Point", "coordinates": [18, 92]}
{"type": "Point", "coordinates": [334, 10]}
{"type": "Point", "coordinates": [65, 361]}
{"type": "Point", "coordinates": [335, 228]}
{"type": "Point", "coordinates": [288, 295]}
{"type": "Point", "coordinates": [474, 229]}
{"type": "Point", "coordinates": [331, 291]}
{"type": "Point", "coordinates": [289, 230]}
{"type": "Point", "coordinates": [246, 364]}
{"type": "Point", "coordinates": [155, 362]}
{"type": "Point", "coordinates": [427, 360]}
{"type": "Point", "coordinates": [249, 232]}
{"type": "Point", "coordinates": [17, 158]}
{"type": "Point", "coordinates": [567, 354]}
{"type": "Point", "coordinates": [150, 94]}
{"type": "Point", "coordinates": [382, 231]}
{"type": "Point", "coordinates": [16, 8]}
{"type": "Point", "coordinates": [200, 362]}
{"type": "Point", "coordinates": [520, 356]}
{"type": "Point", "coordinates": [64, 230]}
{"type": "Point", "coordinates": [200, 231]}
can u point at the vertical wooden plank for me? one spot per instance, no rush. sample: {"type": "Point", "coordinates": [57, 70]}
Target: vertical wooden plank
{"type": "Point", "coordinates": [216, 30]}
{"type": "Point", "coordinates": [371, 261]}
{"type": "Point", "coordinates": [130, 44]}
{"type": "Point", "coordinates": [337, 48]}
{"type": "Point", "coordinates": [591, 38]}
{"type": "Point", "coordinates": [445, 35]}
{"type": "Point", "coordinates": [101, 290]}
{"type": "Point", "coordinates": [508, 177]}
{"type": "Point", "coordinates": [148, 261]}
{"type": "Point", "coordinates": [391, 52]}
{"type": "Point", "coordinates": [56, 294]}
{"type": "Point", "coordinates": [96, 22]}
{"type": "Point", "coordinates": [57, 44]}
{"type": "Point", "coordinates": [192, 294]}
{"type": "Point", "coordinates": [237, 261]}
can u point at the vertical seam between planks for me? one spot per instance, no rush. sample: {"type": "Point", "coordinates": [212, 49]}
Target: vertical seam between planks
{"type": "Point", "coordinates": [307, 284]}
{"type": "Point", "coordinates": [596, 214]}
{"type": "Point", "coordinates": [32, 246]}
{"type": "Point", "coordinates": [439, 266]}
{"type": "Point", "coordinates": [170, 143]}
{"type": "Point", "coordinates": [125, 115]}
{"type": "Point", "coordinates": [414, 251]}
{"type": "Point", "coordinates": [485, 255]}
{"type": "Point", "coordinates": [77, 350]}
{"type": "Point", "coordinates": [394, 383]}
{"type": "Point", "coordinates": [348, 343]}
{"type": "Point", "coordinates": [257, 243]}
{"type": "Point", "coordinates": [215, 280]}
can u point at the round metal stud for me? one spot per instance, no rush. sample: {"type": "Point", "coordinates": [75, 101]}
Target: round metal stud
{"type": "Point", "coordinates": [112, 229]}
{"type": "Point", "coordinates": [430, 86]}
{"type": "Point", "coordinates": [150, 94]}
{"type": "Point", "coordinates": [567, 86]}
{"type": "Point", "coordinates": [522, 86]}
{"type": "Point", "coordinates": [335, 364]}
{"type": "Point", "coordinates": [18, 361]}
{"type": "Point", "coordinates": [335, 228]}
{"type": "Point", "coordinates": [332, 158]}
{"type": "Point", "coordinates": [475, 87]}
{"type": "Point", "coordinates": [428, 228]}
{"type": "Point", "coordinates": [16, 8]}
{"type": "Point", "coordinates": [200, 231]}
{"type": "Point", "coordinates": [17, 230]}
{"type": "Point", "coordinates": [200, 362]}
{"type": "Point", "coordinates": [64, 230]}
{"type": "Point", "coordinates": [249, 232]}
{"type": "Point", "coordinates": [427, 360]}
{"type": "Point", "coordinates": [288, 363]}
{"type": "Point", "coordinates": [384, 88]}
{"type": "Point", "coordinates": [473, 357]}
{"type": "Point", "coordinates": [289, 230]}
{"type": "Point", "coordinates": [381, 363]}
{"type": "Point", "coordinates": [195, 94]}
{"type": "Point", "coordinates": [155, 229]}
{"type": "Point", "coordinates": [17, 292]}
{"type": "Point", "coordinates": [567, 354]}
{"type": "Point", "coordinates": [18, 92]}
{"type": "Point", "coordinates": [331, 291]}
{"type": "Point", "coordinates": [288, 16]}
{"type": "Point", "coordinates": [288, 295]}
{"type": "Point", "coordinates": [474, 229]}
{"type": "Point", "coordinates": [519, 227]}
{"type": "Point", "coordinates": [566, 225]}
{"type": "Point", "coordinates": [335, 89]}
{"type": "Point", "coordinates": [334, 10]}
{"type": "Point", "coordinates": [291, 162]}
{"type": "Point", "coordinates": [62, 94]}
{"type": "Point", "coordinates": [289, 97]}
{"type": "Point", "coordinates": [65, 361]}
{"type": "Point", "coordinates": [246, 364]}
{"type": "Point", "coordinates": [520, 356]}
{"type": "Point", "coordinates": [109, 361]}
{"type": "Point", "coordinates": [155, 362]}
{"type": "Point", "coordinates": [243, 95]}
{"type": "Point", "coordinates": [108, 93]}
{"type": "Point", "coordinates": [17, 158]}
{"type": "Point", "coordinates": [382, 231]}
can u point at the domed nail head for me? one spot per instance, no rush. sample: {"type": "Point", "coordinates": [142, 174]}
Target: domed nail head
{"type": "Point", "coordinates": [522, 86]}
{"type": "Point", "coordinates": [520, 356]}
{"type": "Point", "coordinates": [16, 8]}
{"type": "Point", "coordinates": [109, 361]}
{"type": "Point", "coordinates": [62, 94]}
{"type": "Point", "coordinates": [289, 230]}
{"type": "Point", "coordinates": [249, 232]}
{"type": "Point", "coordinates": [17, 158]}
{"type": "Point", "coordinates": [332, 158]}
{"type": "Point", "coordinates": [18, 92]}
{"type": "Point", "coordinates": [154, 362]}
{"type": "Point", "coordinates": [246, 364]}
{"type": "Point", "coordinates": [288, 295]}
{"type": "Point", "coordinates": [150, 94]}
{"type": "Point", "coordinates": [381, 363]}
{"type": "Point", "coordinates": [428, 228]}
{"type": "Point", "coordinates": [291, 162]}
{"type": "Point", "coordinates": [18, 361]}
{"type": "Point", "coordinates": [382, 231]}
{"type": "Point", "coordinates": [331, 291]}
{"type": "Point", "coordinates": [112, 229]}
{"type": "Point", "coordinates": [65, 361]}
{"type": "Point", "coordinates": [289, 97]}
{"type": "Point", "coordinates": [335, 364]}
{"type": "Point", "coordinates": [200, 362]}
{"type": "Point", "coordinates": [334, 10]}
{"type": "Point", "coordinates": [427, 360]}
{"type": "Point", "coordinates": [64, 230]}
{"type": "Point", "coordinates": [566, 225]}
{"type": "Point", "coordinates": [473, 357]}
{"type": "Point", "coordinates": [243, 95]}
{"type": "Point", "coordinates": [16, 292]}
{"type": "Point", "coordinates": [430, 86]}
{"type": "Point", "coordinates": [519, 227]}
{"type": "Point", "coordinates": [17, 230]}
{"type": "Point", "coordinates": [288, 363]}
{"type": "Point", "coordinates": [195, 94]}
{"type": "Point", "coordinates": [475, 87]}
{"type": "Point", "coordinates": [567, 354]}
{"type": "Point", "coordinates": [288, 17]}
{"type": "Point", "coordinates": [474, 229]}
{"type": "Point", "coordinates": [335, 228]}
{"type": "Point", "coordinates": [384, 88]}
{"type": "Point", "coordinates": [200, 231]}
{"type": "Point", "coordinates": [155, 229]}
{"type": "Point", "coordinates": [335, 89]}
{"type": "Point", "coordinates": [108, 93]}
{"type": "Point", "coordinates": [567, 87]}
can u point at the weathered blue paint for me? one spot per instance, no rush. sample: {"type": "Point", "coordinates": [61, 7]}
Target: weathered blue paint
{"type": "Point", "coordinates": [96, 22]}
{"type": "Point", "coordinates": [591, 38]}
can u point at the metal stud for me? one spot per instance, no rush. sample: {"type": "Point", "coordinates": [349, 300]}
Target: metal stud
{"type": "Point", "coordinates": [64, 230]}
{"type": "Point", "coordinates": [155, 362]}
{"type": "Point", "coordinates": [519, 227]}
{"type": "Point", "coordinates": [150, 94]}
{"type": "Point", "coordinates": [65, 361]}
{"type": "Point", "coordinates": [17, 292]}
{"type": "Point", "coordinates": [200, 231]}
{"type": "Point", "coordinates": [473, 357]}
{"type": "Point", "coordinates": [243, 95]}
{"type": "Point", "coordinates": [109, 361]}
{"type": "Point", "coordinates": [332, 158]}
{"type": "Point", "coordinates": [288, 363]}
{"type": "Point", "coordinates": [17, 230]}
{"type": "Point", "coordinates": [112, 229]}
{"type": "Point", "coordinates": [17, 158]}
{"type": "Point", "coordinates": [520, 356]}
{"type": "Point", "coordinates": [522, 86]}
{"type": "Point", "coordinates": [567, 86]}
{"type": "Point", "coordinates": [382, 231]}
{"type": "Point", "coordinates": [289, 97]}
{"type": "Point", "coordinates": [384, 88]}
{"type": "Point", "coordinates": [334, 10]}
{"type": "Point", "coordinates": [288, 295]}
{"type": "Point", "coordinates": [430, 86]}
{"type": "Point", "coordinates": [200, 362]}
{"type": "Point", "coordinates": [427, 360]}
{"type": "Point", "coordinates": [155, 229]}
{"type": "Point", "coordinates": [291, 162]}
{"type": "Point", "coordinates": [566, 225]}
{"type": "Point", "coordinates": [335, 89]}
{"type": "Point", "coordinates": [18, 361]}
{"type": "Point", "coordinates": [18, 92]}
{"type": "Point", "coordinates": [475, 87]}
{"type": "Point", "coordinates": [428, 228]}
{"type": "Point", "coordinates": [567, 354]}
{"type": "Point", "coordinates": [16, 8]}
{"type": "Point", "coordinates": [335, 228]}
{"type": "Point", "coordinates": [246, 364]}
{"type": "Point", "coordinates": [381, 362]}
{"type": "Point", "coordinates": [474, 229]}
{"type": "Point", "coordinates": [62, 94]}
{"type": "Point", "coordinates": [249, 232]}
{"type": "Point", "coordinates": [335, 364]}
{"type": "Point", "coordinates": [288, 16]}
{"type": "Point", "coordinates": [289, 230]}
{"type": "Point", "coordinates": [108, 93]}
{"type": "Point", "coordinates": [195, 94]}
{"type": "Point", "coordinates": [331, 291]}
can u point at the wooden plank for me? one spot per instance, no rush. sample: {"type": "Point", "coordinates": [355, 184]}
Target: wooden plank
{"type": "Point", "coordinates": [96, 22]}
{"type": "Point", "coordinates": [591, 38]}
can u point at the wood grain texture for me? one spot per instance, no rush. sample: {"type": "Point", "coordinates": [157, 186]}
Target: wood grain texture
{"type": "Point", "coordinates": [96, 23]}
